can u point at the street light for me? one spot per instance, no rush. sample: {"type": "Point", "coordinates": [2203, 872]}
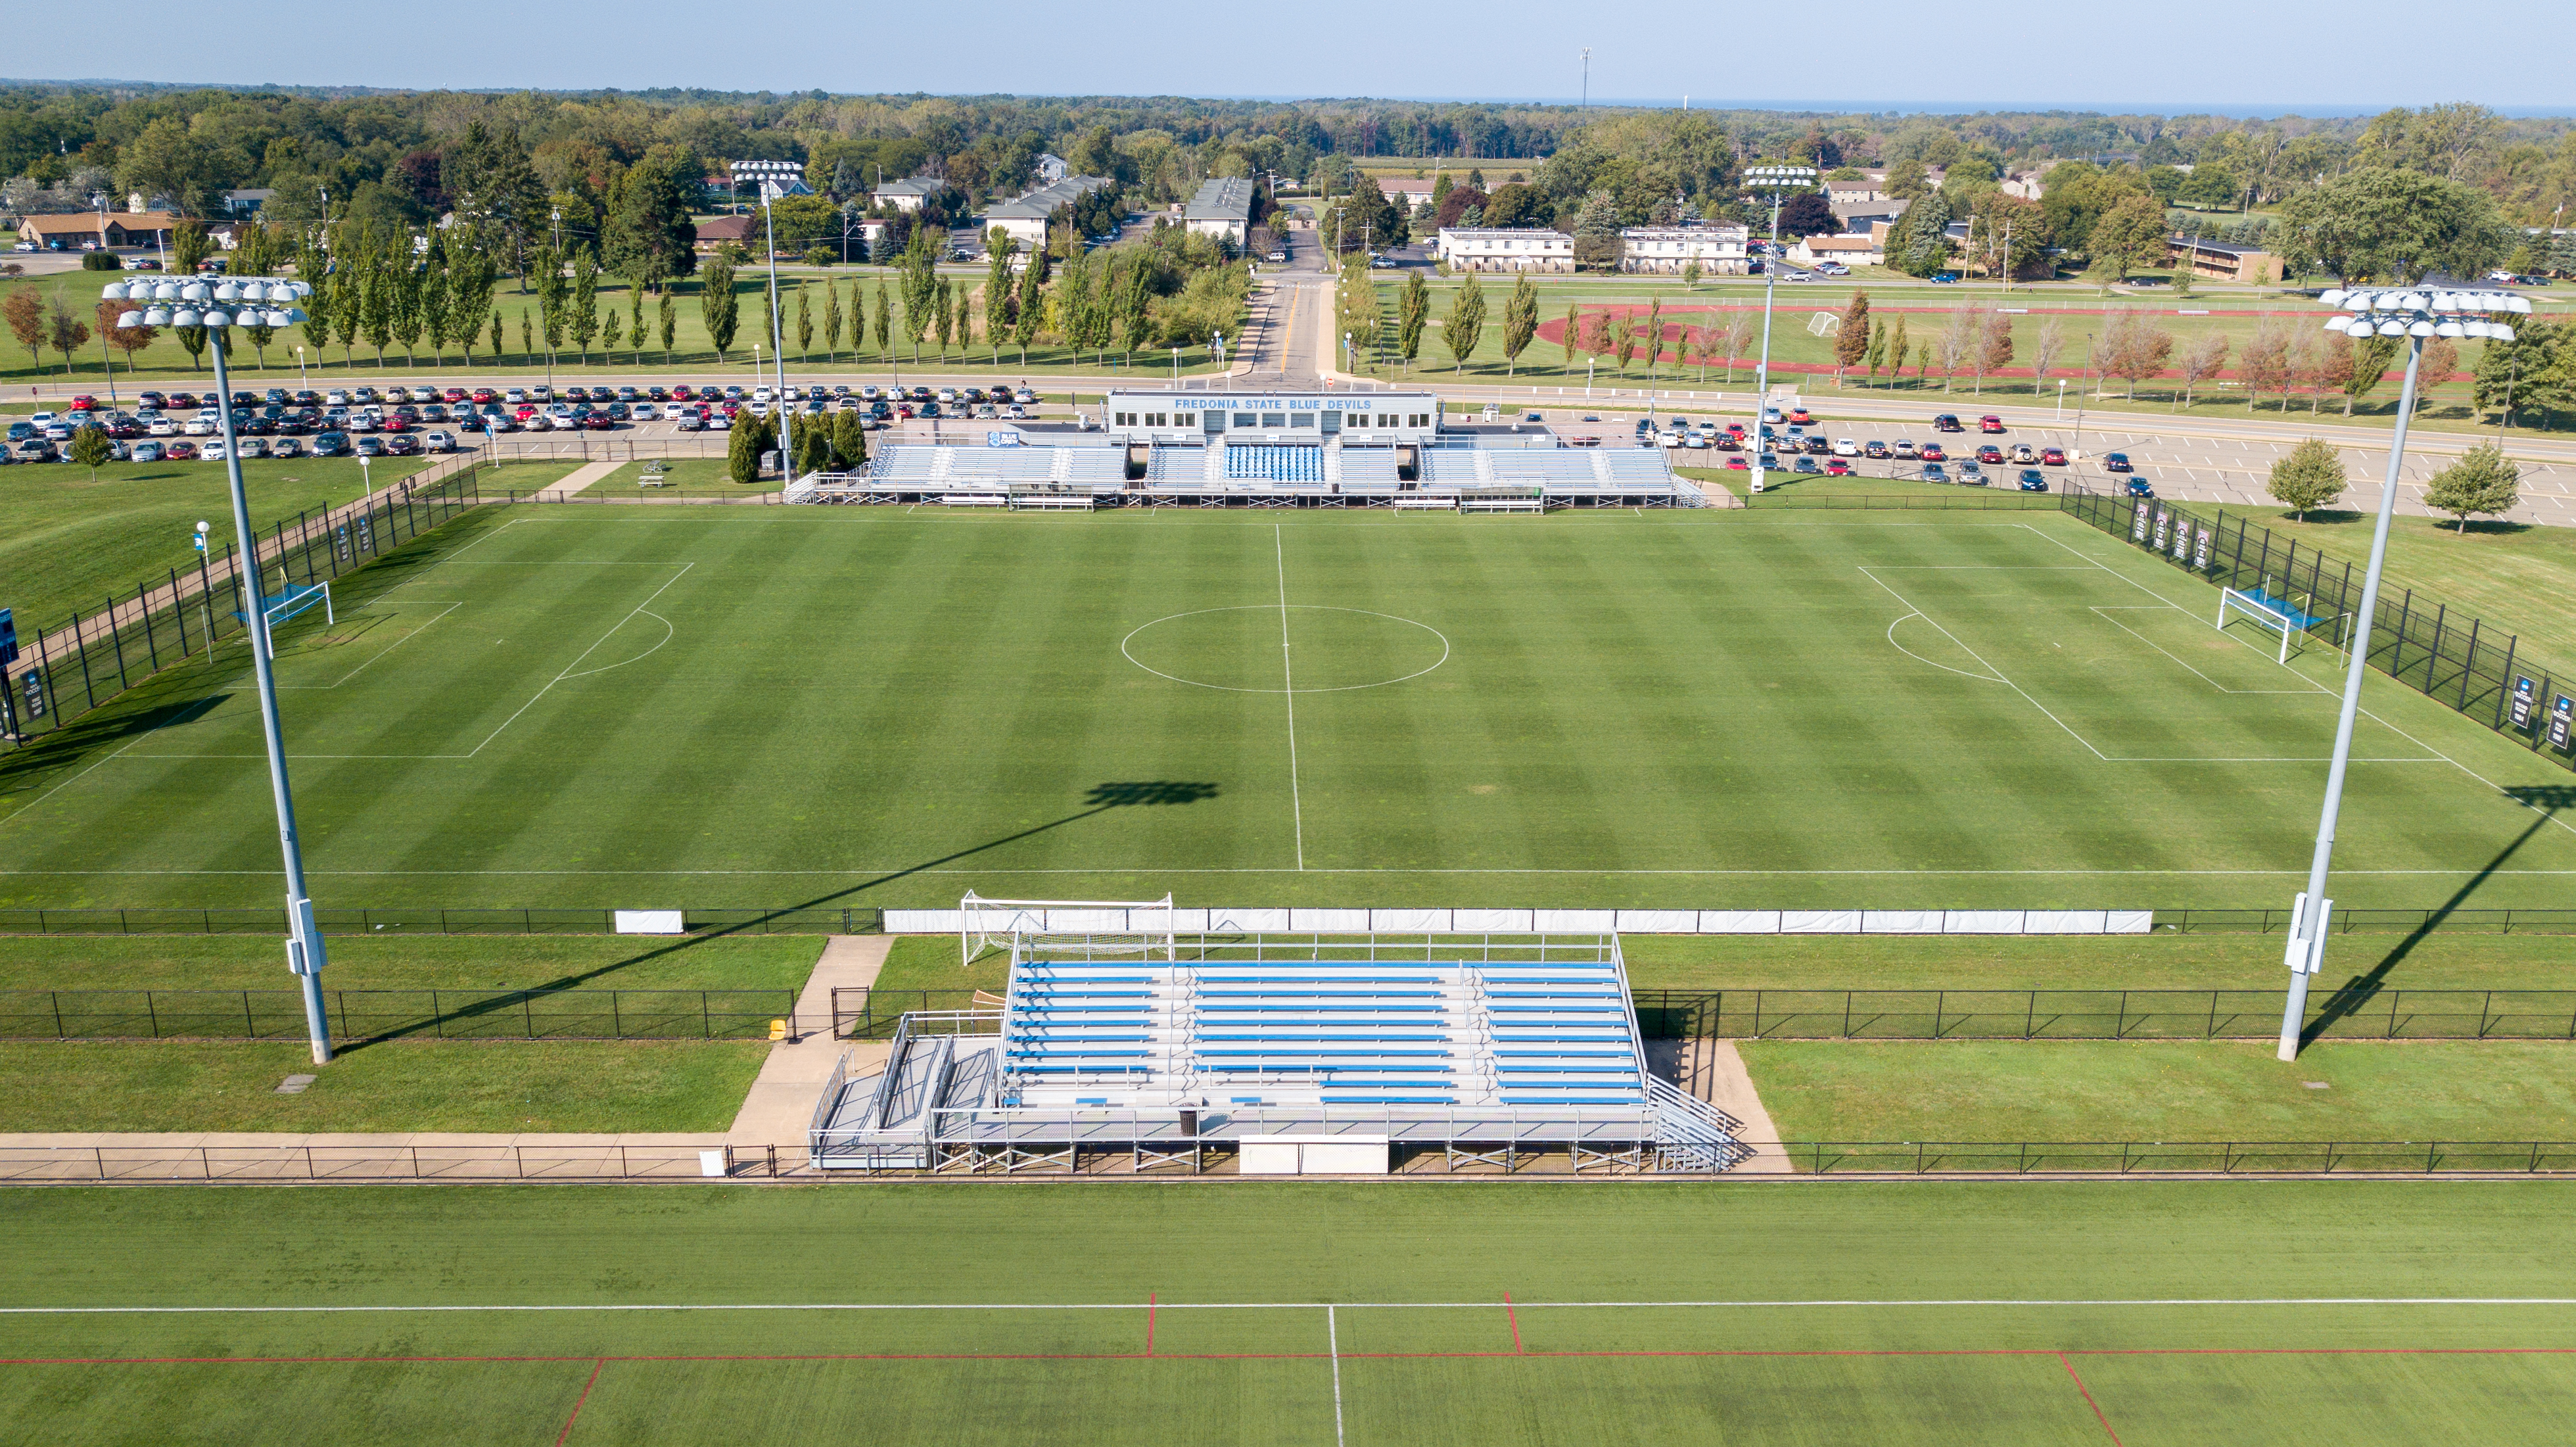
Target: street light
{"type": "Point", "coordinates": [1779, 181]}
{"type": "Point", "coordinates": [252, 301]}
{"type": "Point", "coordinates": [2413, 313]}
{"type": "Point", "coordinates": [774, 178]}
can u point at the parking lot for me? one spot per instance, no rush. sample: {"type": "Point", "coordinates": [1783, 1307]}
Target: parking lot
{"type": "Point", "coordinates": [404, 420]}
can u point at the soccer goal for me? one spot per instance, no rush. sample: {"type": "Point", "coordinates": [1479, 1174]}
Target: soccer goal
{"type": "Point", "coordinates": [1141, 928]}
{"type": "Point", "coordinates": [2277, 615]}
{"type": "Point", "coordinates": [298, 598]}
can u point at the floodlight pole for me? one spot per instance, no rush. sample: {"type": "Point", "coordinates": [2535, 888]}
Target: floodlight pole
{"type": "Point", "coordinates": [1778, 179]}
{"type": "Point", "coordinates": [777, 337]}
{"type": "Point", "coordinates": [2307, 946]}
{"type": "Point", "coordinates": [304, 951]}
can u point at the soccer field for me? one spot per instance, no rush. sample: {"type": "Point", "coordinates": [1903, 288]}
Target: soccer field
{"type": "Point", "coordinates": [1339, 1316]}
{"type": "Point", "coordinates": [649, 706]}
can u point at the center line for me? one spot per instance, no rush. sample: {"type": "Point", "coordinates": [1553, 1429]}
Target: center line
{"type": "Point", "coordinates": [1288, 689]}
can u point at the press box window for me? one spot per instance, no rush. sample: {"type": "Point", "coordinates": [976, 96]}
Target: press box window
{"type": "Point", "coordinates": [1185, 419]}
{"type": "Point", "coordinates": [1274, 419]}
{"type": "Point", "coordinates": [1247, 419]}
{"type": "Point", "coordinates": [1302, 419]}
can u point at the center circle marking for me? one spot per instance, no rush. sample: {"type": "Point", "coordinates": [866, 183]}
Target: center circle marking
{"type": "Point", "coordinates": [1126, 646]}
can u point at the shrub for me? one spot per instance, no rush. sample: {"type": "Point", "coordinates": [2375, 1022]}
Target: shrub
{"type": "Point", "coordinates": [102, 261]}
{"type": "Point", "coordinates": [822, 256]}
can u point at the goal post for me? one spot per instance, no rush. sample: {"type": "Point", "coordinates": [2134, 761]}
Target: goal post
{"type": "Point", "coordinates": [1090, 926]}
{"type": "Point", "coordinates": [2278, 615]}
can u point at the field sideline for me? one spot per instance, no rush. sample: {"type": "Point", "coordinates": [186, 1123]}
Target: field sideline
{"type": "Point", "coordinates": [1780, 710]}
{"type": "Point", "coordinates": [1485, 1312]}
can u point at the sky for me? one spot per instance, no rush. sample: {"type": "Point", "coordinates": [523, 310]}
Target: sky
{"type": "Point", "coordinates": [2291, 55]}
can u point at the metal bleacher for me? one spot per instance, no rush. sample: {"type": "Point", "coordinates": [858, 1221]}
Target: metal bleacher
{"type": "Point", "coordinates": [1478, 1046]}
{"type": "Point", "coordinates": [1275, 464]}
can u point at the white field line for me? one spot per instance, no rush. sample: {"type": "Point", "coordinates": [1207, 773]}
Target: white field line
{"type": "Point", "coordinates": [1288, 686]}
{"type": "Point", "coordinates": [1748, 1304]}
{"type": "Point", "coordinates": [2491, 784]}
{"type": "Point", "coordinates": [1990, 668]}
{"type": "Point", "coordinates": [112, 758]}
{"type": "Point", "coordinates": [2106, 613]}
{"type": "Point", "coordinates": [1134, 869]}
{"type": "Point", "coordinates": [388, 648]}
{"type": "Point", "coordinates": [1333, 1342]}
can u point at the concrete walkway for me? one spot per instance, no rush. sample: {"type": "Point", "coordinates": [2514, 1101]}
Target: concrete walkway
{"type": "Point", "coordinates": [580, 477]}
{"type": "Point", "coordinates": [780, 1105]}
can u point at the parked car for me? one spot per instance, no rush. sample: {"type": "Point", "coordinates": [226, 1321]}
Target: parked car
{"type": "Point", "coordinates": [1934, 452]}
{"type": "Point", "coordinates": [2137, 487]}
{"type": "Point", "coordinates": [1946, 422]}
{"type": "Point", "coordinates": [1846, 447]}
{"type": "Point", "coordinates": [1874, 449]}
{"type": "Point", "coordinates": [179, 450]}
{"type": "Point", "coordinates": [331, 444]}
{"type": "Point", "coordinates": [211, 451]}
{"type": "Point", "coordinates": [2116, 462]}
{"type": "Point", "coordinates": [1971, 475]}
{"type": "Point", "coordinates": [2033, 480]}
{"type": "Point", "coordinates": [1990, 423]}
{"type": "Point", "coordinates": [1837, 467]}
{"type": "Point", "coordinates": [1990, 453]}
{"type": "Point", "coordinates": [1904, 447]}
{"type": "Point", "coordinates": [2052, 457]}
{"type": "Point", "coordinates": [285, 447]}
{"type": "Point", "coordinates": [1808, 465]}
{"type": "Point", "coordinates": [405, 445]}
{"type": "Point", "coordinates": [438, 442]}
{"type": "Point", "coordinates": [146, 451]}
{"type": "Point", "coordinates": [371, 447]}
{"type": "Point", "coordinates": [2023, 453]}
{"type": "Point", "coordinates": [1934, 472]}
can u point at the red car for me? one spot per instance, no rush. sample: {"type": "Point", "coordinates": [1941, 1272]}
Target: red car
{"type": "Point", "coordinates": [180, 450]}
{"type": "Point", "coordinates": [1990, 423]}
{"type": "Point", "coordinates": [396, 422]}
{"type": "Point", "coordinates": [598, 422]}
{"type": "Point", "coordinates": [485, 394]}
{"type": "Point", "coordinates": [682, 393]}
{"type": "Point", "coordinates": [1932, 453]}
{"type": "Point", "coordinates": [453, 394]}
{"type": "Point", "coordinates": [2052, 457]}
{"type": "Point", "coordinates": [84, 403]}
{"type": "Point", "coordinates": [1837, 467]}
{"type": "Point", "coordinates": [1990, 453]}
{"type": "Point", "coordinates": [1798, 416]}
{"type": "Point", "coordinates": [1738, 464]}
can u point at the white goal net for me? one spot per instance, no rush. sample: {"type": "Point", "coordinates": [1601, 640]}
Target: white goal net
{"type": "Point", "coordinates": [2275, 615]}
{"type": "Point", "coordinates": [1142, 928]}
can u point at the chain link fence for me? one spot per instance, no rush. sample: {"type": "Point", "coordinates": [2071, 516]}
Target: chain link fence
{"type": "Point", "coordinates": [359, 1016]}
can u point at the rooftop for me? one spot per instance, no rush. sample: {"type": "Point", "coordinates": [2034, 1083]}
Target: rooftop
{"type": "Point", "coordinates": [1221, 198]}
{"type": "Point", "coordinates": [1041, 203]}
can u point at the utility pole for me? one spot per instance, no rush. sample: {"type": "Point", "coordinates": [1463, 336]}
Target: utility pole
{"type": "Point", "coordinates": [1587, 78]}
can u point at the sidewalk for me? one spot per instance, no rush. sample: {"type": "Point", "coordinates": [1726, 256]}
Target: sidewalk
{"type": "Point", "coordinates": [580, 477]}
{"type": "Point", "coordinates": [780, 1105]}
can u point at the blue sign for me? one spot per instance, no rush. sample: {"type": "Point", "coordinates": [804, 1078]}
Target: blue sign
{"type": "Point", "coordinates": [8, 638]}
{"type": "Point", "coordinates": [1001, 439]}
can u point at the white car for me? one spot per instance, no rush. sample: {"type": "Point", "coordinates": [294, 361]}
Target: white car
{"type": "Point", "coordinates": [515, 396]}
{"type": "Point", "coordinates": [438, 442]}
{"type": "Point", "coordinates": [42, 419]}
{"type": "Point", "coordinates": [211, 451]}
{"type": "Point", "coordinates": [336, 397]}
{"type": "Point", "coordinates": [947, 396]}
{"type": "Point", "coordinates": [159, 426]}
{"type": "Point", "coordinates": [760, 396]}
{"type": "Point", "coordinates": [1846, 447]}
{"type": "Point", "coordinates": [366, 421]}
{"type": "Point", "coordinates": [199, 427]}
{"type": "Point", "coordinates": [644, 412]}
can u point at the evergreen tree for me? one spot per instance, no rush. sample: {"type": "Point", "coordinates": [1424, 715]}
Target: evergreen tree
{"type": "Point", "coordinates": [585, 302]}
{"type": "Point", "coordinates": [1412, 317]}
{"type": "Point", "coordinates": [612, 330]}
{"type": "Point", "coordinates": [743, 449]}
{"type": "Point", "coordinates": [1654, 333]}
{"type": "Point", "coordinates": [527, 336]}
{"type": "Point", "coordinates": [1520, 322]}
{"type": "Point", "coordinates": [885, 323]}
{"type": "Point", "coordinates": [1030, 306]}
{"type": "Point", "coordinates": [1896, 350]}
{"type": "Point", "coordinates": [635, 322]}
{"type": "Point", "coordinates": [670, 309]}
{"type": "Point", "coordinates": [1572, 340]}
{"type": "Point", "coordinates": [1466, 321]}
{"type": "Point", "coordinates": [406, 320]}
{"type": "Point", "coordinates": [805, 321]}
{"type": "Point", "coordinates": [831, 321]}
{"type": "Point", "coordinates": [943, 315]}
{"type": "Point", "coordinates": [849, 439]}
{"type": "Point", "coordinates": [1852, 339]}
{"type": "Point", "coordinates": [1876, 356]}
{"type": "Point", "coordinates": [436, 315]}
{"type": "Point", "coordinates": [718, 305]}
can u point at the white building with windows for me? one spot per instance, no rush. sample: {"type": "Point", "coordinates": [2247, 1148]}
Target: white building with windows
{"type": "Point", "coordinates": [908, 194]}
{"type": "Point", "coordinates": [1484, 248]}
{"type": "Point", "coordinates": [1024, 218]}
{"type": "Point", "coordinates": [1718, 249]}
{"type": "Point", "coordinates": [1222, 207]}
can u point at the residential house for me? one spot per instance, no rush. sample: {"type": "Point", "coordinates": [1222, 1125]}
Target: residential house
{"type": "Point", "coordinates": [1052, 168]}
{"type": "Point", "coordinates": [719, 232]}
{"type": "Point", "coordinates": [1869, 249]}
{"type": "Point", "coordinates": [247, 203]}
{"type": "Point", "coordinates": [1485, 248]}
{"type": "Point", "coordinates": [115, 228]}
{"type": "Point", "coordinates": [1719, 249]}
{"type": "Point", "coordinates": [1024, 218]}
{"type": "Point", "coordinates": [909, 194]}
{"type": "Point", "coordinates": [1222, 207]}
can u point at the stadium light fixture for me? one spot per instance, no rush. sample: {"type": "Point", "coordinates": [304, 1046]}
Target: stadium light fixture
{"type": "Point", "coordinates": [2413, 313]}
{"type": "Point", "coordinates": [218, 307]}
{"type": "Point", "coordinates": [1779, 181]}
{"type": "Point", "coordinates": [774, 178]}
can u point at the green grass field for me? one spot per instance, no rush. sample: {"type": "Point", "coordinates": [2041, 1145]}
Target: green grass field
{"type": "Point", "coordinates": [569, 705]}
{"type": "Point", "coordinates": [391, 962]}
{"type": "Point", "coordinates": [1482, 1313]}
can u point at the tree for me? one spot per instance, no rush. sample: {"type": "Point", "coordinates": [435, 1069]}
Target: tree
{"type": "Point", "coordinates": [26, 317]}
{"type": "Point", "coordinates": [128, 340]}
{"type": "Point", "coordinates": [1520, 322]}
{"type": "Point", "coordinates": [1958, 342]}
{"type": "Point", "coordinates": [717, 304]}
{"type": "Point", "coordinates": [612, 330]}
{"type": "Point", "coordinates": [2371, 357]}
{"type": "Point", "coordinates": [2441, 362]}
{"type": "Point", "coordinates": [585, 302]}
{"type": "Point", "coordinates": [805, 320]}
{"type": "Point", "coordinates": [1808, 214]}
{"type": "Point", "coordinates": [404, 318]}
{"type": "Point", "coordinates": [1874, 355]}
{"type": "Point", "coordinates": [2334, 367]}
{"type": "Point", "coordinates": [2309, 477]}
{"type": "Point", "coordinates": [189, 244]}
{"type": "Point", "coordinates": [1739, 339]}
{"type": "Point", "coordinates": [1597, 246]}
{"type": "Point", "coordinates": [1995, 348]}
{"type": "Point", "coordinates": [1466, 321]}
{"type": "Point", "coordinates": [90, 448]}
{"type": "Point", "coordinates": [1571, 339]}
{"type": "Point", "coordinates": [849, 439]}
{"type": "Point", "coordinates": [1895, 349]}
{"type": "Point", "coordinates": [2130, 233]}
{"type": "Point", "coordinates": [742, 450]}
{"type": "Point", "coordinates": [1851, 338]}
{"type": "Point", "coordinates": [1029, 307]}
{"type": "Point", "coordinates": [1654, 333]}
{"type": "Point", "coordinates": [1920, 244]}
{"type": "Point", "coordinates": [2202, 361]}
{"type": "Point", "coordinates": [832, 322]}
{"type": "Point", "coordinates": [647, 236]}
{"type": "Point", "coordinates": [670, 320]}
{"type": "Point", "coordinates": [1690, 274]}
{"type": "Point", "coordinates": [65, 329]}
{"type": "Point", "coordinates": [2483, 481]}
{"type": "Point", "coordinates": [168, 159]}
{"type": "Point", "coordinates": [2264, 366]}
{"type": "Point", "coordinates": [2396, 226]}
{"type": "Point", "coordinates": [1625, 348]}
{"type": "Point", "coordinates": [437, 313]}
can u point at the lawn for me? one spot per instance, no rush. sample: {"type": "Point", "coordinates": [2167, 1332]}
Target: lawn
{"type": "Point", "coordinates": [2006, 1313]}
{"type": "Point", "coordinates": [1773, 710]}
{"type": "Point", "coordinates": [2163, 961]}
{"type": "Point", "coordinates": [2106, 1090]}
{"type": "Point", "coordinates": [683, 477]}
{"type": "Point", "coordinates": [2516, 577]}
{"type": "Point", "coordinates": [506, 1086]}
{"type": "Point", "coordinates": [67, 541]}
{"type": "Point", "coordinates": [380, 962]}
{"type": "Point", "coordinates": [1809, 360]}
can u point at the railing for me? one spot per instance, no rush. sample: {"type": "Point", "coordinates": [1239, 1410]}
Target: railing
{"type": "Point", "coordinates": [2358, 1013]}
{"type": "Point", "coordinates": [373, 1014]}
{"type": "Point", "coordinates": [68, 671]}
{"type": "Point", "coordinates": [432, 920]}
{"type": "Point", "coordinates": [2374, 921]}
{"type": "Point", "coordinates": [2414, 639]}
{"type": "Point", "coordinates": [93, 1163]}
{"type": "Point", "coordinates": [1970, 499]}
